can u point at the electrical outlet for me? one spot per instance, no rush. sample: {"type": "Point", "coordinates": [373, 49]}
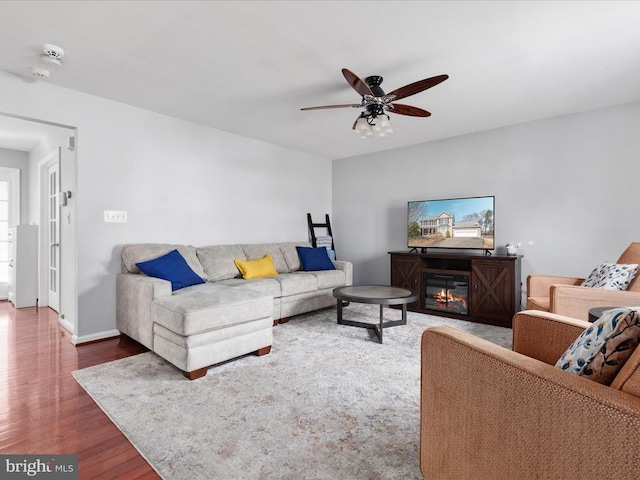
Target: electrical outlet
{"type": "Point", "coordinates": [115, 216]}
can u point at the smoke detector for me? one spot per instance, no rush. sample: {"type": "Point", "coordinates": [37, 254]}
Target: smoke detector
{"type": "Point", "coordinates": [48, 61]}
{"type": "Point", "coordinates": [37, 72]}
{"type": "Point", "coordinates": [53, 51]}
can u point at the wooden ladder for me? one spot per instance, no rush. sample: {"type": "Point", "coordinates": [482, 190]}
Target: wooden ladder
{"type": "Point", "coordinates": [313, 226]}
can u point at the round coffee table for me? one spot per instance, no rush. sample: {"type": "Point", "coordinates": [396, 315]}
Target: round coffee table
{"type": "Point", "coordinates": [378, 295]}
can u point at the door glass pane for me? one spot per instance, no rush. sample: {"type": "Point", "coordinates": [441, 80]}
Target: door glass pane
{"type": "Point", "coordinates": [4, 272]}
{"type": "Point", "coordinates": [4, 211]}
{"type": "Point", "coordinates": [4, 190]}
{"type": "Point", "coordinates": [4, 251]}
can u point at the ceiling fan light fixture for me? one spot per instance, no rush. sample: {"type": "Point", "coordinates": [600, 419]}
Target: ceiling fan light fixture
{"type": "Point", "coordinates": [384, 121]}
{"type": "Point", "coordinates": [382, 125]}
{"type": "Point", "coordinates": [376, 102]}
{"type": "Point", "coordinates": [363, 128]}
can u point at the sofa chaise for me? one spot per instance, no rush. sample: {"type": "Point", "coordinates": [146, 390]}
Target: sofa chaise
{"type": "Point", "coordinates": [226, 316]}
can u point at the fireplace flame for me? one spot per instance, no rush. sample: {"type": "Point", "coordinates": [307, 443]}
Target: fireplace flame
{"type": "Point", "coordinates": [446, 297]}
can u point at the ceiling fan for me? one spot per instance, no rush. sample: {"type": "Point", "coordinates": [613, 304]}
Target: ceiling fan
{"type": "Point", "coordinates": [376, 103]}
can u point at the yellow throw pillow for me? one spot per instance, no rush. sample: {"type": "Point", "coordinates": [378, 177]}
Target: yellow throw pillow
{"type": "Point", "coordinates": [259, 268]}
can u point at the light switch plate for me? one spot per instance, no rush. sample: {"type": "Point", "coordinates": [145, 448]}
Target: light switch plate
{"type": "Point", "coordinates": [115, 216]}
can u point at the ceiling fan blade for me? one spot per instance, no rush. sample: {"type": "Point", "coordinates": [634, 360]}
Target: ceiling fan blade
{"type": "Point", "coordinates": [418, 87]}
{"type": "Point", "coordinates": [323, 107]}
{"type": "Point", "coordinates": [408, 110]}
{"type": "Point", "coordinates": [357, 84]}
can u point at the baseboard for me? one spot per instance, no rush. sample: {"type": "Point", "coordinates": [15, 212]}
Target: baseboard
{"type": "Point", "coordinates": [96, 337]}
{"type": "Point", "coordinates": [66, 325]}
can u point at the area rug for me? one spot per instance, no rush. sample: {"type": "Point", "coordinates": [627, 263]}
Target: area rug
{"type": "Point", "coordinates": [328, 402]}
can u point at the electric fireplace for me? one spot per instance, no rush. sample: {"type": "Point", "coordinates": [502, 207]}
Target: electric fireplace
{"type": "Point", "coordinates": [446, 292]}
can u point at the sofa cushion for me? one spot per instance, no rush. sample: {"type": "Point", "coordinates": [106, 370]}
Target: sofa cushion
{"type": "Point", "coordinates": [290, 254]}
{"type": "Point", "coordinates": [603, 348]}
{"type": "Point", "coordinates": [218, 261]}
{"type": "Point", "coordinates": [215, 307]}
{"type": "Point", "coordinates": [539, 303]}
{"type": "Point", "coordinates": [611, 276]}
{"type": "Point", "coordinates": [297, 282]}
{"type": "Point", "coordinates": [258, 268]}
{"type": "Point", "coordinates": [253, 252]}
{"type": "Point", "coordinates": [141, 252]}
{"type": "Point", "coordinates": [314, 259]}
{"type": "Point", "coordinates": [628, 379]}
{"type": "Point", "coordinates": [172, 267]}
{"type": "Point", "coordinates": [329, 278]}
{"type": "Point", "coordinates": [268, 286]}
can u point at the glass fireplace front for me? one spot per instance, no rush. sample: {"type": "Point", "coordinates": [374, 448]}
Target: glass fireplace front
{"type": "Point", "coordinates": [446, 292]}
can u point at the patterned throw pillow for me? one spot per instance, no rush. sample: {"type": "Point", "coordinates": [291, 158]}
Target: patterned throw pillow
{"type": "Point", "coordinates": [602, 349]}
{"type": "Point", "coordinates": [611, 276]}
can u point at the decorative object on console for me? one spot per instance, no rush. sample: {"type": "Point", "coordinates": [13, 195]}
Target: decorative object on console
{"type": "Point", "coordinates": [611, 276]}
{"type": "Point", "coordinates": [512, 248]}
{"type": "Point", "coordinates": [603, 348]}
{"type": "Point", "coordinates": [315, 259]}
{"type": "Point", "coordinates": [375, 102]}
{"type": "Point", "coordinates": [172, 267]}
{"type": "Point", "coordinates": [258, 268]}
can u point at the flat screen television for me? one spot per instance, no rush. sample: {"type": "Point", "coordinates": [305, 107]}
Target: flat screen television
{"type": "Point", "coordinates": [459, 223]}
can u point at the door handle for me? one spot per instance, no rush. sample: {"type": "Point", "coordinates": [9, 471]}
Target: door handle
{"type": "Point", "coordinates": [55, 244]}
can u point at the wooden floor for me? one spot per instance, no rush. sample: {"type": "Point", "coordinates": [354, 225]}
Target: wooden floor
{"type": "Point", "coordinates": [43, 410]}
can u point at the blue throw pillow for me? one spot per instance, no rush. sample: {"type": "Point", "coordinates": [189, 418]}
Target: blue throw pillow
{"type": "Point", "coordinates": [314, 259]}
{"type": "Point", "coordinates": [172, 267]}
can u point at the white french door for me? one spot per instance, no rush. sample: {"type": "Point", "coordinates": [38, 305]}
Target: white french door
{"type": "Point", "coordinates": [54, 236]}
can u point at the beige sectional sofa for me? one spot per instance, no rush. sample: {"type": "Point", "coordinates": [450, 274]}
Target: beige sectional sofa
{"type": "Point", "coordinates": [225, 317]}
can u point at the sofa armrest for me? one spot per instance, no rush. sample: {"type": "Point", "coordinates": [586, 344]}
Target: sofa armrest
{"type": "Point", "coordinates": [539, 285]}
{"type": "Point", "coordinates": [544, 336]}
{"type": "Point", "coordinates": [490, 413]}
{"type": "Point", "coordinates": [134, 295]}
{"type": "Point", "coordinates": [347, 267]}
{"type": "Point", "coordinates": [575, 301]}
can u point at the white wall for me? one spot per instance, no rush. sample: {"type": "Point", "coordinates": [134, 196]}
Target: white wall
{"type": "Point", "coordinates": [565, 187]}
{"type": "Point", "coordinates": [19, 160]}
{"type": "Point", "coordinates": [179, 182]}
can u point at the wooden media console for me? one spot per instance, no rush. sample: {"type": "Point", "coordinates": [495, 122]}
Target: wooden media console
{"type": "Point", "coordinates": [478, 288]}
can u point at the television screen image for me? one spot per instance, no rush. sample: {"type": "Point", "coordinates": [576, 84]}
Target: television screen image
{"type": "Point", "coordinates": [465, 223]}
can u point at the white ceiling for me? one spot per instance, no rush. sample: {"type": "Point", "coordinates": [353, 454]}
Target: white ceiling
{"type": "Point", "coordinates": [248, 66]}
{"type": "Point", "coordinates": [23, 135]}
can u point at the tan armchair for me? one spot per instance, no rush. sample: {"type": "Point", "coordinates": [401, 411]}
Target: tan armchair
{"type": "Point", "coordinates": [489, 413]}
{"type": "Point", "coordinates": [565, 296]}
